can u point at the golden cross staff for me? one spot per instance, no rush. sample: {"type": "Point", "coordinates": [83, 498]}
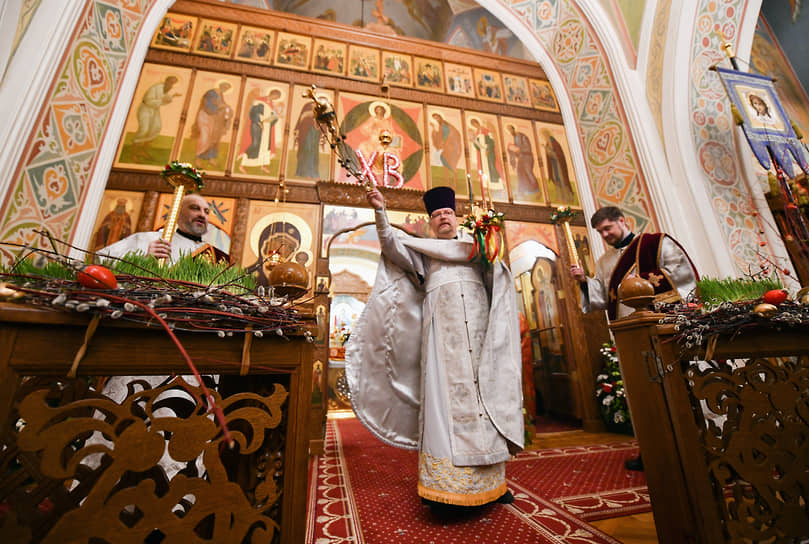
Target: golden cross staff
{"type": "Point", "coordinates": [179, 176]}
{"type": "Point", "coordinates": [326, 119]}
{"type": "Point", "coordinates": [563, 216]}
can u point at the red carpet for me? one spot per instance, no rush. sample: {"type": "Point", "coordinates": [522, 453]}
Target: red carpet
{"type": "Point", "coordinates": [363, 491]}
{"type": "Point", "coordinates": [589, 482]}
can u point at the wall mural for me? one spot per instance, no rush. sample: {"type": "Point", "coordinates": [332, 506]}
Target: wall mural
{"type": "Point", "coordinates": [612, 163]}
{"type": "Point", "coordinates": [308, 153]}
{"type": "Point", "coordinates": [283, 228]}
{"type": "Point", "coordinates": [261, 129]}
{"type": "Point", "coordinates": [208, 129]}
{"type": "Point", "coordinates": [154, 117]}
{"type": "Point", "coordinates": [117, 217]}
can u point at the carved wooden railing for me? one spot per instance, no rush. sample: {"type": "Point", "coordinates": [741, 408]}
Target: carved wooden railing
{"type": "Point", "coordinates": [725, 443]}
{"type": "Point", "coordinates": [80, 466]}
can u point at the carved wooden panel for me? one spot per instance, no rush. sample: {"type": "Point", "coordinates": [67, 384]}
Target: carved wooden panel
{"type": "Point", "coordinates": [754, 427]}
{"type": "Point", "coordinates": [77, 465]}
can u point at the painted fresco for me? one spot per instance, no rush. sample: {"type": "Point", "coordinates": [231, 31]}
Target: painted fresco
{"type": "Point", "coordinates": [254, 45]}
{"type": "Point", "coordinates": [293, 51]}
{"type": "Point", "coordinates": [207, 133]}
{"type": "Point", "coordinates": [485, 152]}
{"type": "Point", "coordinates": [308, 152]}
{"type": "Point", "coordinates": [524, 170]}
{"type": "Point", "coordinates": [447, 157]}
{"type": "Point", "coordinates": [558, 170]}
{"type": "Point", "coordinates": [329, 57]}
{"type": "Point", "coordinates": [154, 117]}
{"type": "Point", "coordinates": [429, 74]}
{"type": "Point", "coordinates": [215, 38]}
{"type": "Point", "coordinates": [261, 129]}
{"type": "Point", "coordinates": [518, 232]}
{"type": "Point", "coordinates": [175, 32]}
{"type": "Point", "coordinates": [365, 117]}
{"type": "Point", "coordinates": [516, 90]}
{"type": "Point", "coordinates": [363, 63]}
{"type": "Point", "coordinates": [397, 69]}
{"type": "Point", "coordinates": [288, 229]}
{"type": "Point", "coordinates": [459, 80]}
{"type": "Point", "coordinates": [117, 218]}
{"type": "Point", "coordinates": [542, 97]}
{"type": "Point", "coordinates": [340, 218]}
{"type": "Point", "coordinates": [474, 27]}
{"type": "Point", "coordinates": [220, 219]}
{"type": "Point", "coordinates": [488, 85]}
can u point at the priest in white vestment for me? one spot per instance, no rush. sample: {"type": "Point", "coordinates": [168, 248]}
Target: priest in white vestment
{"type": "Point", "coordinates": [192, 224]}
{"type": "Point", "coordinates": [656, 257]}
{"type": "Point", "coordinates": [433, 363]}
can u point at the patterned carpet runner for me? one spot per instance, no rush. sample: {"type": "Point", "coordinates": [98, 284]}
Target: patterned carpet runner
{"type": "Point", "coordinates": [362, 491]}
{"type": "Point", "coordinates": [589, 482]}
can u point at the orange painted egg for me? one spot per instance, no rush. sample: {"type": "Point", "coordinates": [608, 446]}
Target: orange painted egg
{"type": "Point", "coordinates": [97, 277]}
{"type": "Point", "coordinates": [776, 296]}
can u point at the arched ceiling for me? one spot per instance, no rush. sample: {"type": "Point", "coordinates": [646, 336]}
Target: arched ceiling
{"type": "Point", "coordinates": [462, 23]}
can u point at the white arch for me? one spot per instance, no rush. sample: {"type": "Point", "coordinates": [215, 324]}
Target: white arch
{"type": "Point", "coordinates": [25, 84]}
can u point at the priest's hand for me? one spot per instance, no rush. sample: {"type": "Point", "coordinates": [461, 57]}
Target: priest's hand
{"type": "Point", "coordinates": [375, 199]}
{"type": "Point", "coordinates": [160, 249]}
{"type": "Point", "coordinates": [577, 273]}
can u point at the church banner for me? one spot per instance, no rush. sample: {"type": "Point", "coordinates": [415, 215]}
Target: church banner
{"type": "Point", "coordinates": [765, 124]}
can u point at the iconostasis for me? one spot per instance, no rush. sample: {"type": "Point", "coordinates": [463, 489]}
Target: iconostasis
{"type": "Point", "coordinates": [228, 98]}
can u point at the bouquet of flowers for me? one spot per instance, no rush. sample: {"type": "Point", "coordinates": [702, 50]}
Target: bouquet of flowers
{"type": "Point", "coordinates": [341, 335]}
{"type": "Point", "coordinates": [610, 392]}
{"type": "Point", "coordinates": [486, 230]}
{"type": "Point", "coordinates": [176, 167]}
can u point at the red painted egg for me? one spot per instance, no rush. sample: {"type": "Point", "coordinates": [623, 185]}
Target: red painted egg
{"type": "Point", "coordinates": [776, 296]}
{"type": "Point", "coordinates": [97, 277]}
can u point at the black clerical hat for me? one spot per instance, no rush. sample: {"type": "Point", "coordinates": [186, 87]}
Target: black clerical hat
{"type": "Point", "coordinates": [439, 197]}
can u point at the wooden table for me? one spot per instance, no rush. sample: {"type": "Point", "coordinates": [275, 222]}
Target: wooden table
{"type": "Point", "coordinates": [43, 343]}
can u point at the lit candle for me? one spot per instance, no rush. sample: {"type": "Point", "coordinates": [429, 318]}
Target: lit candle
{"type": "Point", "coordinates": [488, 192]}
{"type": "Point", "coordinates": [482, 188]}
{"type": "Point", "coordinates": [469, 186]}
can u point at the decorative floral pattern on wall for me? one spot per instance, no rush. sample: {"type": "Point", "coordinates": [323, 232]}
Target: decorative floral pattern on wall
{"type": "Point", "coordinates": [712, 131]}
{"type": "Point", "coordinates": [61, 155]}
{"type": "Point", "coordinates": [579, 57]}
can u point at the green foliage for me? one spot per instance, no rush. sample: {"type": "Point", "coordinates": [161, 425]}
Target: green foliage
{"type": "Point", "coordinates": [610, 392]}
{"type": "Point", "coordinates": [188, 269]}
{"type": "Point", "coordinates": [51, 269]}
{"type": "Point", "coordinates": [196, 270]}
{"type": "Point", "coordinates": [713, 292]}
